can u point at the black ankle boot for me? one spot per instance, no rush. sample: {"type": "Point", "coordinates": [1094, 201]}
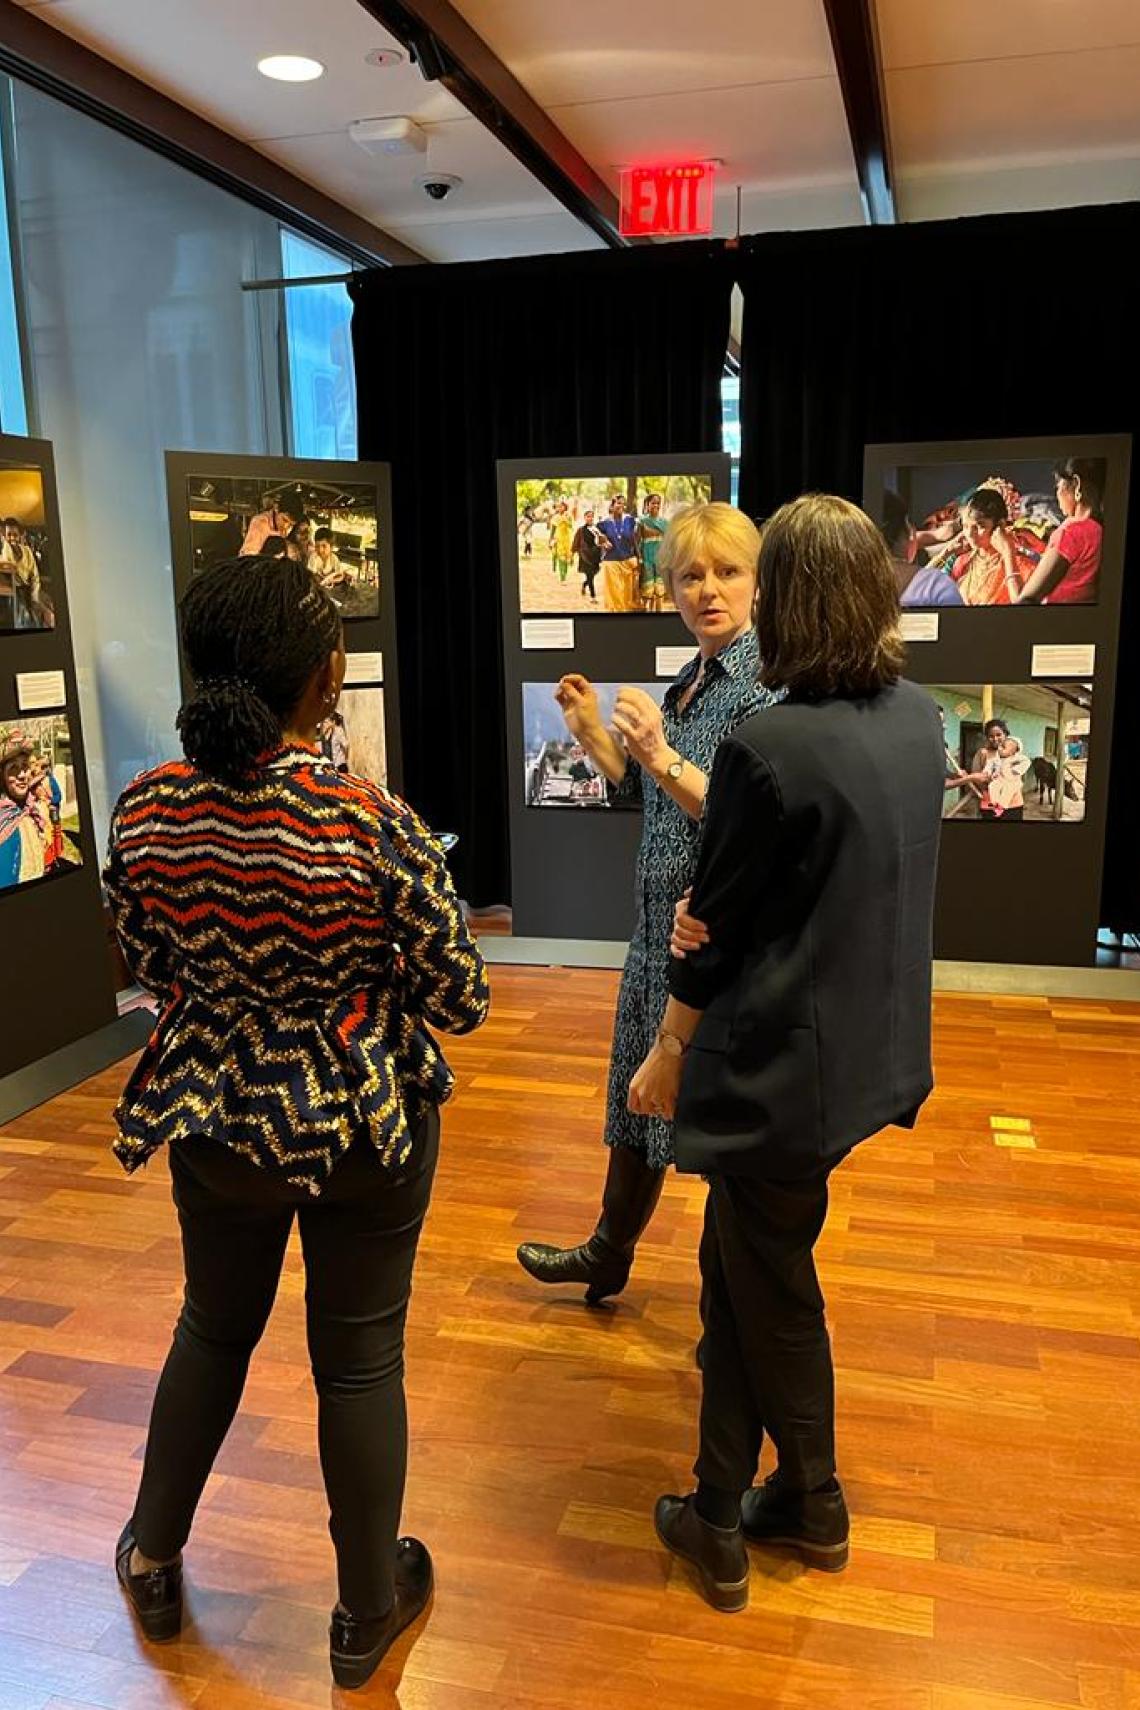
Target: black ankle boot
{"type": "Point", "coordinates": [814, 1523]}
{"type": "Point", "coordinates": [603, 1263]}
{"type": "Point", "coordinates": [717, 1552]}
{"type": "Point", "coordinates": [357, 1648]}
{"type": "Point", "coordinates": [155, 1596]}
{"type": "Point", "coordinates": [595, 1263]}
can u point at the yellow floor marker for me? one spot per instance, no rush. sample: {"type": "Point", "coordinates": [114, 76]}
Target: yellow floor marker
{"type": "Point", "coordinates": [1014, 1132]}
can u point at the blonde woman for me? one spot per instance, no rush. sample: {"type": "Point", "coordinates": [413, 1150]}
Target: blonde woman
{"type": "Point", "coordinates": [662, 756]}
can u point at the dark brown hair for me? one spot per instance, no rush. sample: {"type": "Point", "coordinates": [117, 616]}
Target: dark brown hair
{"type": "Point", "coordinates": [827, 604]}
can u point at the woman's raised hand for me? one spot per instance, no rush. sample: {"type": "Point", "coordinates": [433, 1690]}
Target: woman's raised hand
{"type": "Point", "coordinates": [578, 699]}
{"type": "Point", "coordinates": [638, 721]}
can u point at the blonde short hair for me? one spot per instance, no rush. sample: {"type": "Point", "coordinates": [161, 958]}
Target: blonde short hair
{"type": "Point", "coordinates": [717, 531]}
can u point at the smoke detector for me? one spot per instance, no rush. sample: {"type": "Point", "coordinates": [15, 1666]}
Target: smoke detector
{"type": "Point", "coordinates": [388, 136]}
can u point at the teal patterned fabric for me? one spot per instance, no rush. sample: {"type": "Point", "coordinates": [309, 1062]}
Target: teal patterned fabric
{"type": "Point", "coordinates": [666, 861]}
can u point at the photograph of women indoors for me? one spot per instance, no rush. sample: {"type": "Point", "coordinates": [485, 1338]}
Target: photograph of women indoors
{"type": "Point", "coordinates": [590, 544]}
{"type": "Point", "coordinates": [1015, 753]}
{"type": "Point", "coordinates": [25, 577]}
{"type": "Point", "coordinates": [352, 735]}
{"type": "Point", "coordinates": [1024, 533]}
{"type": "Point", "coordinates": [39, 813]}
{"type": "Point", "coordinates": [330, 527]}
{"type": "Point", "coordinates": [558, 771]}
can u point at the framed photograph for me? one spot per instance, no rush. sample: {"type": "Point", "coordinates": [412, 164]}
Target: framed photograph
{"type": "Point", "coordinates": [999, 523]}
{"type": "Point", "coordinates": [1015, 752]}
{"type": "Point", "coordinates": [41, 836]}
{"type": "Point", "coordinates": [557, 771]}
{"type": "Point", "coordinates": [330, 526]}
{"type": "Point", "coordinates": [28, 554]}
{"type": "Point", "coordinates": [333, 517]}
{"type": "Point", "coordinates": [570, 871]}
{"type": "Point", "coordinates": [588, 543]}
{"type": "Point", "coordinates": [353, 737]}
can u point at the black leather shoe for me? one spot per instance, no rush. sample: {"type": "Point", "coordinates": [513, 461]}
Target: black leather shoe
{"type": "Point", "coordinates": [356, 1648]}
{"type": "Point", "coordinates": [594, 1263]}
{"type": "Point", "coordinates": [815, 1523]}
{"type": "Point", "coordinates": [717, 1552]}
{"type": "Point", "coordinates": [155, 1597]}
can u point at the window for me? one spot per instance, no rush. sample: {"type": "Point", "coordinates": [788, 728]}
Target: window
{"type": "Point", "coordinates": [13, 406]}
{"type": "Point", "coordinates": [730, 426]}
{"type": "Point", "coordinates": [322, 381]}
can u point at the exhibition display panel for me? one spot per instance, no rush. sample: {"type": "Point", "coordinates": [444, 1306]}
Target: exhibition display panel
{"type": "Point", "coordinates": [1010, 559]}
{"type": "Point", "coordinates": [54, 933]}
{"type": "Point", "coordinates": [337, 519]}
{"type": "Point", "coordinates": [581, 592]}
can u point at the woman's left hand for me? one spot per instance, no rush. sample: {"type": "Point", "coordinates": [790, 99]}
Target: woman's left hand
{"type": "Point", "coordinates": [639, 723]}
{"type": "Point", "coordinates": [653, 1090]}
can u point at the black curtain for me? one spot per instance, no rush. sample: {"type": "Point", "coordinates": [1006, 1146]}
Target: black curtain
{"type": "Point", "coordinates": [967, 329]}
{"type": "Point", "coordinates": [457, 366]}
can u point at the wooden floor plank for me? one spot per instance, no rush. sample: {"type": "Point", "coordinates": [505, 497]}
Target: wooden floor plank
{"type": "Point", "coordinates": [985, 1307]}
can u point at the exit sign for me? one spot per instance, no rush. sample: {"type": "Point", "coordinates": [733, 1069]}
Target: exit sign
{"type": "Point", "coordinates": [674, 201]}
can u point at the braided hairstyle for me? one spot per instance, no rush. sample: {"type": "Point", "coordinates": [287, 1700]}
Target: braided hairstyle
{"type": "Point", "coordinates": [254, 631]}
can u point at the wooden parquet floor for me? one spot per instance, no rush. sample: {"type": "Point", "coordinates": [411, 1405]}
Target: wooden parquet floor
{"type": "Point", "coordinates": [984, 1280]}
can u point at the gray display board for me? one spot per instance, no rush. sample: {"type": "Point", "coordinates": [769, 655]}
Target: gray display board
{"type": "Point", "coordinates": [59, 984]}
{"type": "Point", "coordinates": [572, 866]}
{"type": "Point", "coordinates": [212, 499]}
{"type": "Point", "coordinates": [1014, 891]}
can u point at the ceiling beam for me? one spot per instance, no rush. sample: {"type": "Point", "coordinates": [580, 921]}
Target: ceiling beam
{"type": "Point", "coordinates": [855, 41]}
{"type": "Point", "coordinates": [449, 51]}
{"type": "Point", "coordinates": [39, 54]}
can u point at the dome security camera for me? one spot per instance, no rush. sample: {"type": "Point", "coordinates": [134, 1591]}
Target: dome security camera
{"type": "Point", "coordinates": [439, 185]}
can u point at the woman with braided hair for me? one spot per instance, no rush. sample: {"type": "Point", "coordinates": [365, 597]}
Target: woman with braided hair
{"type": "Point", "coordinates": [300, 930]}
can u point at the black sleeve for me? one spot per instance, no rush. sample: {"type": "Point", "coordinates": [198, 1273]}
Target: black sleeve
{"type": "Point", "coordinates": [742, 821]}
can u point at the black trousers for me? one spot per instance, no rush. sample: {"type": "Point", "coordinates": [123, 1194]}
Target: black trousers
{"type": "Point", "coordinates": [765, 1354]}
{"type": "Point", "coordinates": [359, 1242]}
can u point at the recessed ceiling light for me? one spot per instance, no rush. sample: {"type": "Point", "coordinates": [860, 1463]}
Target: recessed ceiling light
{"type": "Point", "coordinates": [290, 68]}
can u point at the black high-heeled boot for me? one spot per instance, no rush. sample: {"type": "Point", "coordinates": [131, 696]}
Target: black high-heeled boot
{"type": "Point", "coordinates": [603, 1263]}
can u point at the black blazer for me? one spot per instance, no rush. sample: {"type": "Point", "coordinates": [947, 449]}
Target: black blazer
{"type": "Point", "coordinates": [816, 880]}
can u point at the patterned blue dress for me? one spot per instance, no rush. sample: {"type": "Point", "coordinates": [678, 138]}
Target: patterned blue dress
{"type": "Point", "coordinates": [666, 863]}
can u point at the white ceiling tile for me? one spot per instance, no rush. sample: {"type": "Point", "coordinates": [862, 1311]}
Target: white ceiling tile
{"type": "Point", "coordinates": [595, 49]}
{"type": "Point", "coordinates": [451, 238]}
{"type": "Point", "coordinates": [948, 193]}
{"type": "Point", "coordinates": [1025, 113]}
{"type": "Point", "coordinates": [781, 133]}
{"type": "Point", "coordinates": [383, 188]}
{"type": "Point", "coordinates": [204, 53]}
{"type": "Point", "coordinates": [945, 32]}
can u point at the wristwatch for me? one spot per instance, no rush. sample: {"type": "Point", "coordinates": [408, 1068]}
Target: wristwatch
{"type": "Point", "coordinates": [675, 768]}
{"type": "Point", "coordinates": [671, 1043]}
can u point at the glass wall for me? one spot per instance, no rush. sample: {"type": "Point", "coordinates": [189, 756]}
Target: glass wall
{"type": "Point", "coordinates": [322, 380]}
{"type": "Point", "coordinates": [730, 426]}
{"type": "Point", "coordinates": [13, 407]}
{"type": "Point", "coordinates": [139, 338]}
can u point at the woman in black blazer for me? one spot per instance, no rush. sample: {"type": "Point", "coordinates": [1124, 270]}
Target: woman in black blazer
{"type": "Point", "coordinates": [799, 1019]}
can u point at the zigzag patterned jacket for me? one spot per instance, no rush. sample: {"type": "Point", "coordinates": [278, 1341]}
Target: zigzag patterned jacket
{"type": "Point", "coordinates": [301, 933]}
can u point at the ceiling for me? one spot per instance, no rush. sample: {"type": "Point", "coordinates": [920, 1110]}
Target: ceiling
{"type": "Point", "coordinates": [1031, 103]}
